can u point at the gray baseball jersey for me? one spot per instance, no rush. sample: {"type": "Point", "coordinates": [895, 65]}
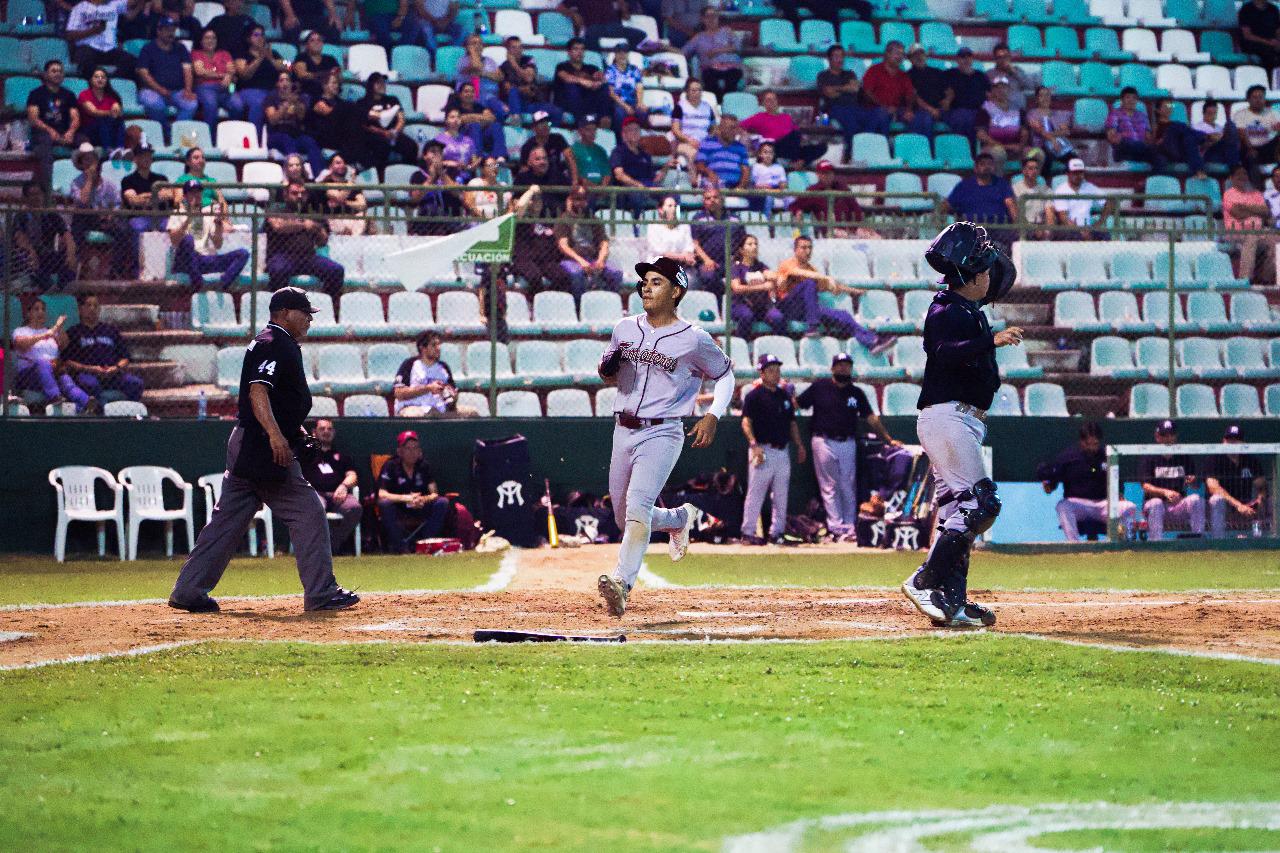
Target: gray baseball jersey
{"type": "Point", "coordinates": [662, 369]}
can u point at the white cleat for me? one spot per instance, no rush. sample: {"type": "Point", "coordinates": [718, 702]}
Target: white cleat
{"type": "Point", "coordinates": [614, 593]}
{"type": "Point", "coordinates": [929, 602]}
{"type": "Point", "coordinates": [679, 544]}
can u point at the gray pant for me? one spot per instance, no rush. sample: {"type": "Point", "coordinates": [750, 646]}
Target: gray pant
{"type": "Point", "coordinates": [836, 464]}
{"type": "Point", "coordinates": [772, 477]}
{"type": "Point", "coordinates": [953, 440]}
{"type": "Point", "coordinates": [1189, 511]}
{"type": "Point", "coordinates": [642, 461]}
{"type": "Point", "coordinates": [293, 501]}
{"type": "Point", "coordinates": [1071, 511]}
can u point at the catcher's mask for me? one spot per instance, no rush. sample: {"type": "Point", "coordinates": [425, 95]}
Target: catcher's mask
{"type": "Point", "coordinates": [963, 250]}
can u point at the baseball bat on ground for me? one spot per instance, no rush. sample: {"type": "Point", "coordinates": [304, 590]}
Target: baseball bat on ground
{"type": "Point", "coordinates": [553, 535]}
{"type": "Point", "coordinates": [502, 636]}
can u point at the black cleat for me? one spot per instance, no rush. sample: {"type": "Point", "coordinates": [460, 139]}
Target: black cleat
{"type": "Point", "coordinates": [339, 600]}
{"type": "Point", "coordinates": [204, 604]}
{"type": "Point", "coordinates": [970, 615]}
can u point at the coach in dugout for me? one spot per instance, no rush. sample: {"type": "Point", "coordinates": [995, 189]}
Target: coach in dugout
{"type": "Point", "coordinates": [1238, 490]}
{"type": "Point", "coordinates": [331, 473]}
{"type": "Point", "coordinates": [1165, 481]}
{"type": "Point", "coordinates": [409, 505]}
{"type": "Point", "coordinates": [1082, 471]}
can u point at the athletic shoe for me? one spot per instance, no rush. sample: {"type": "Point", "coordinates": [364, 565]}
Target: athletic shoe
{"type": "Point", "coordinates": [929, 602]}
{"type": "Point", "coordinates": [614, 593]}
{"type": "Point", "coordinates": [753, 540]}
{"type": "Point", "coordinates": [340, 600]}
{"type": "Point", "coordinates": [204, 604]}
{"type": "Point", "coordinates": [679, 544]}
{"type": "Point", "coordinates": [970, 615]}
{"type": "Point", "coordinates": [883, 344]}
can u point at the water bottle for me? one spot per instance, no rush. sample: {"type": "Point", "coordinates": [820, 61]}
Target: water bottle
{"type": "Point", "coordinates": [1062, 343]}
{"type": "Point", "coordinates": [824, 119]}
{"type": "Point", "coordinates": [202, 407]}
{"type": "Point", "coordinates": [1257, 529]}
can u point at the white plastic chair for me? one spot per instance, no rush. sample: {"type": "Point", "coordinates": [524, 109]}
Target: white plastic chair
{"type": "Point", "coordinates": [144, 484]}
{"type": "Point", "coordinates": [262, 172]}
{"type": "Point", "coordinates": [124, 409]}
{"type": "Point", "coordinates": [212, 486]}
{"type": "Point", "coordinates": [74, 485]}
{"type": "Point", "coordinates": [232, 136]}
{"type": "Point", "coordinates": [365, 59]}
{"type": "Point", "coordinates": [337, 516]}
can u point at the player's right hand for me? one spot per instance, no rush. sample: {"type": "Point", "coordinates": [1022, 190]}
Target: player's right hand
{"type": "Point", "coordinates": [280, 452]}
{"type": "Point", "coordinates": [1011, 336]}
{"type": "Point", "coordinates": [704, 431]}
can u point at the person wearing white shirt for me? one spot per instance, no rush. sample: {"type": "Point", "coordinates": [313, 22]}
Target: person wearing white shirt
{"type": "Point", "coordinates": [670, 239]}
{"type": "Point", "coordinates": [1258, 124]}
{"type": "Point", "coordinates": [768, 174]}
{"type": "Point", "coordinates": [1272, 196]}
{"type": "Point", "coordinates": [92, 29]}
{"type": "Point", "coordinates": [1067, 209]}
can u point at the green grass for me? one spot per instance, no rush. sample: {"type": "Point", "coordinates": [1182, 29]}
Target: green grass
{"type": "Point", "coordinates": [1169, 571]}
{"type": "Point", "coordinates": [1182, 840]}
{"type": "Point", "coordinates": [29, 580]}
{"type": "Point", "coordinates": [632, 748]}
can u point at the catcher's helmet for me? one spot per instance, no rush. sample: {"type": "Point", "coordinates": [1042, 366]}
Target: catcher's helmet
{"type": "Point", "coordinates": [963, 250]}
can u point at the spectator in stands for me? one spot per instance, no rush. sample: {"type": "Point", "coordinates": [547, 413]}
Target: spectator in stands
{"type": "Point", "coordinates": [214, 72]}
{"type": "Point", "coordinates": [380, 17]}
{"type": "Point", "coordinates": [1272, 196]}
{"type": "Point", "coordinates": [524, 93]}
{"type": "Point", "coordinates": [299, 15]}
{"type": "Point", "coordinates": [550, 175]}
{"type": "Point", "coordinates": [933, 95]}
{"type": "Point", "coordinates": [332, 474]}
{"type": "Point", "coordinates": [579, 87]}
{"type": "Point", "coordinates": [486, 204]}
{"type": "Point", "coordinates": [1082, 471]}
{"type": "Point", "coordinates": [584, 249]}
{"type": "Point", "coordinates": [1129, 132]}
{"type": "Point", "coordinates": [92, 31]}
{"type": "Point", "coordinates": [313, 66]}
{"type": "Point", "coordinates": [101, 111]}
{"type": "Point", "coordinates": [722, 160]}
{"type": "Point", "coordinates": [798, 285]}
{"type": "Point", "coordinates": [632, 167]}
{"type": "Point", "coordinates": [840, 209]}
{"type": "Point", "coordinates": [459, 152]}
{"type": "Point", "coordinates": [431, 22]}
{"type": "Point", "coordinates": [672, 239]}
{"type": "Point", "coordinates": [626, 88]}
{"type": "Point", "coordinates": [330, 119]}
{"type": "Point", "coordinates": [998, 128]}
{"type": "Point", "coordinates": [691, 120]}
{"type": "Point", "coordinates": [597, 19]}
{"type": "Point", "coordinates": [285, 111]}
{"type": "Point", "coordinates": [434, 202]}
{"type": "Point", "coordinates": [383, 125]}
{"type": "Point", "coordinates": [409, 506]}
{"type": "Point", "coordinates": [43, 248]}
{"type": "Point", "coordinates": [887, 86]}
{"type": "Point", "coordinates": [589, 156]}
{"type": "Point", "coordinates": [292, 240]}
{"type": "Point", "coordinates": [479, 121]}
{"type": "Point", "coordinates": [540, 255]}
{"type": "Point", "coordinates": [716, 48]}
{"type": "Point", "coordinates": [232, 27]}
{"type": "Point", "coordinates": [1245, 209]}
{"type": "Point", "coordinates": [195, 162]}
{"type": "Point", "coordinates": [52, 116]}
{"type": "Point", "coordinates": [1067, 209]}
{"type": "Point", "coordinates": [1166, 484]}
{"type": "Point", "coordinates": [482, 73]}
{"type": "Point", "coordinates": [1035, 211]}
{"type": "Point", "coordinates": [1219, 137]}
{"type": "Point", "coordinates": [969, 88]}
{"type": "Point", "coordinates": [1050, 131]}
{"type": "Point", "coordinates": [767, 174]}
{"type": "Point", "coordinates": [97, 198]}
{"type": "Point", "coordinates": [709, 226]}
{"type": "Point", "coordinates": [256, 73]}
{"type": "Point", "coordinates": [1239, 489]}
{"type": "Point", "coordinates": [680, 20]}
{"type": "Point", "coordinates": [1259, 22]}
{"type": "Point", "coordinates": [196, 232]}
{"type": "Point", "coordinates": [37, 350]}
{"type": "Point", "coordinates": [560, 157]}
{"type": "Point", "coordinates": [1020, 84]}
{"type": "Point", "coordinates": [772, 124]}
{"type": "Point", "coordinates": [1258, 125]}
{"type": "Point", "coordinates": [139, 195]}
{"type": "Point", "coordinates": [839, 90]}
{"type": "Point", "coordinates": [1176, 142]}
{"type": "Point", "coordinates": [424, 386]}
{"type": "Point", "coordinates": [345, 205]}
{"type": "Point", "coordinates": [95, 356]}
{"type": "Point", "coordinates": [753, 291]}
{"type": "Point", "coordinates": [165, 77]}
{"type": "Point", "coordinates": [984, 196]}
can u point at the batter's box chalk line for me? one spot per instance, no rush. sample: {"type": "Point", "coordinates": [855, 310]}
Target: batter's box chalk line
{"type": "Point", "coordinates": [997, 829]}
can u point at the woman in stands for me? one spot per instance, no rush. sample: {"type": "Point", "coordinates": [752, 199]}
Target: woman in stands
{"type": "Point", "coordinates": [668, 238]}
{"type": "Point", "coordinates": [214, 71]}
{"type": "Point", "coordinates": [101, 112]}
{"type": "Point", "coordinates": [482, 73]}
{"type": "Point", "coordinates": [1049, 131]}
{"type": "Point", "coordinates": [716, 46]}
{"type": "Point", "coordinates": [37, 359]}
{"type": "Point", "coordinates": [383, 120]}
{"type": "Point", "coordinates": [344, 205]}
{"type": "Point", "coordinates": [478, 121]}
{"type": "Point", "coordinates": [331, 119]}
{"type": "Point", "coordinates": [691, 120]}
{"type": "Point", "coordinates": [767, 174]}
{"type": "Point", "coordinates": [460, 154]}
{"type": "Point", "coordinates": [286, 110]}
{"type": "Point", "coordinates": [313, 66]}
{"type": "Point", "coordinates": [625, 87]}
{"type": "Point", "coordinates": [780, 128]}
{"type": "Point", "coordinates": [754, 293]}
{"type": "Point", "coordinates": [256, 74]}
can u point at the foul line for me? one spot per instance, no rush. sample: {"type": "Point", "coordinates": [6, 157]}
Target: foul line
{"type": "Point", "coordinates": [503, 575]}
{"type": "Point", "coordinates": [89, 658]}
{"type": "Point", "coordinates": [653, 580]}
{"type": "Point", "coordinates": [1161, 650]}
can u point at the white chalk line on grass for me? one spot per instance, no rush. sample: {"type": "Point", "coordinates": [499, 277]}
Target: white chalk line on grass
{"type": "Point", "coordinates": [652, 579]}
{"type": "Point", "coordinates": [96, 656]}
{"type": "Point", "coordinates": [503, 575]}
{"type": "Point", "coordinates": [1007, 829]}
{"type": "Point", "coordinates": [1160, 650]}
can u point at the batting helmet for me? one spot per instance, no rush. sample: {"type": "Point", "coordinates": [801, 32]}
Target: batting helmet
{"type": "Point", "coordinates": [964, 250]}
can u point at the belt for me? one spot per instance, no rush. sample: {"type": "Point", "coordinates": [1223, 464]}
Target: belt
{"type": "Point", "coordinates": [836, 437]}
{"type": "Point", "coordinates": [966, 409]}
{"type": "Point", "coordinates": [630, 421]}
{"type": "Point", "coordinates": [774, 446]}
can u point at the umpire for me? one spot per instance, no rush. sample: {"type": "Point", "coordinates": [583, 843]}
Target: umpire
{"type": "Point", "coordinates": [837, 405]}
{"type": "Point", "coordinates": [261, 468]}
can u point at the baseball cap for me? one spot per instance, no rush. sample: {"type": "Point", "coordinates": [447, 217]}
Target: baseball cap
{"type": "Point", "coordinates": [166, 21]}
{"type": "Point", "coordinates": [1233, 433]}
{"type": "Point", "coordinates": [999, 80]}
{"type": "Point", "coordinates": [841, 357]}
{"type": "Point", "coordinates": [192, 185]}
{"type": "Point", "coordinates": [964, 50]}
{"type": "Point", "coordinates": [1166, 427]}
{"type": "Point", "coordinates": [407, 435]}
{"type": "Point", "coordinates": [767, 360]}
{"type": "Point", "coordinates": [630, 120]}
{"type": "Point", "coordinates": [667, 268]}
{"type": "Point", "coordinates": [541, 115]}
{"type": "Point", "coordinates": [287, 298]}
{"type": "Point", "coordinates": [1075, 164]}
{"type": "Point", "coordinates": [586, 120]}
{"type": "Point", "coordinates": [916, 48]}
{"type": "Point", "coordinates": [825, 166]}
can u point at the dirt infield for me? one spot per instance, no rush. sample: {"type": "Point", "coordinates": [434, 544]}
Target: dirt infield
{"type": "Point", "coordinates": [555, 592]}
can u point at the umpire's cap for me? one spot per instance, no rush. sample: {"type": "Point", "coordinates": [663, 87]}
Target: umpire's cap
{"type": "Point", "coordinates": [287, 298]}
{"type": "Point", "coordinates": [668, 268]}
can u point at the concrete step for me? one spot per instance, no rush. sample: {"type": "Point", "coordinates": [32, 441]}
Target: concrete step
{"type": "Point", "coordinates": [128, 315]}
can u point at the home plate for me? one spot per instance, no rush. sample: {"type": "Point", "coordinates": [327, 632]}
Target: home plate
{"type": "Point", "coordinates": [10, 636]}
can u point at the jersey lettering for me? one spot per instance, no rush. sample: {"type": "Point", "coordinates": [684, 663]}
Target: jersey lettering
{"type": "Point", "coordinates": [1169, 472]}
{"type": "Point", "coordinates": [650, 356]}
{"type": "Point", "coordinates": [267, 367]}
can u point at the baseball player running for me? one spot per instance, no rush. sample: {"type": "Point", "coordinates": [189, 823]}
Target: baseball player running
{"type": "Point", "coordinates": [658, 362]}
{"type": "Point", "coordinates": [960, 381]}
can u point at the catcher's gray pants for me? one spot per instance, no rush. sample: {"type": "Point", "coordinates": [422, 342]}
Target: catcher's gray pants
{"type": "Point", "coordinates": [836, 464]}
{"type": "Point", "coordinates": [772, 476]}
{"type": "Point", "coordinates": [953, 440]}
{"type": "Point", "coordinates": [293, 502]}
{"type": "Point", "coordinates": [1189, 511]}
{"type": "Point", "coordinates": [641, 463]}
{"type": "Point", "coordinates": [1072, 511]}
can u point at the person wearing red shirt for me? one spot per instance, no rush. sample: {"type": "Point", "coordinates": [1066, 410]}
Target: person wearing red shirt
{"type": "Point", "coordinates": [889, 87]}
{"type": "Point", "coordinates": [101, 112]}
{"type": "Point", "coordinates": [778, 127]}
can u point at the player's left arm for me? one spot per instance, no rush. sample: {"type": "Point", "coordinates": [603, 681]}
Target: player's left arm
{"type": "Point", "coordinates": [878, 425]}
{"type": "Point", "coordinates": [801, 456]}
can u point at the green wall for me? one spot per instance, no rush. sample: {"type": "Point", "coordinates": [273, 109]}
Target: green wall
{"type": "Point", "coordinates": [572, 453]}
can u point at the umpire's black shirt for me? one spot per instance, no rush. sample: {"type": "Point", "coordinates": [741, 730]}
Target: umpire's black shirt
{"type": "Point", "coordinates": [1083, 475]}
{"type": "Point", "coordinates": [960, 353]}
{"type": "Point", "coordinates": [273, 359]}
{"type": "Point", "coordinates": [771, 413]}
{"type": "Point", "coordinates": [836, 408]}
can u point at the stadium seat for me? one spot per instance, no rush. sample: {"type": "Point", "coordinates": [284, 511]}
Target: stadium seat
{"type": "Point", "coordinates": [211, 486]}
{"type": "Point", "coordinates": [803, 71]}
{"type": "Point", "coordinates": [900, 399]}
{"type": "Point", "coordinates": [1180, 46]}
{"type": "Point", "coordinates": [871, 151]}
{"type": "Point", "coordinates": [1149, 400]}
{"type": "Point", "coordinates": [1246, 358]}
{"type": "Point", "coordinates": [778, 35]}
{"type": "Point", "coordinates": [519, 316]}
{"type": "Point", "coordinates": [144, 488]}
{"type": "Point", "coordinates": [1045, 400]}
{"type": "Point", "coordinates": [1218, 44]}
{"type": "Point", "coordinates": [817, 35]}
{"type": "Point", "coordinates": [1075, 310]}
{"type": "Point", "coordinates": [1240, 401]}
{"type": "Point", "coordinates": [124, 409]}
{"type": "Point", "coordinates": [868, 366]}
{"type": "Point", "coordinates": [454, 357]}
{"type": "Point", "coordinates": [556, 28]}
{"type": "Point", "coordinates": [1251, 311]}
{"type": "Point", "coordinates": [474, 400]}
{"type": "Point", "coordinates": [1141, 42]}
{"type": "Point", "coordinates": [892, 30]}
{"type": "Point", "coordinates": [17, 90]}
{"type": "Point", "coordinates": [1043, 269]}
{"type": "Point", "coordinates": [1097, 78]}
{"type": "Point", "coordinates": [942, 183]}
{"type": "Point", "coordinates": [1164, 185]}
{"type": "Point", "coordinates": [214, 313]}
{"type": "Point", "coordinates": [366, 59]}
{"type": "Point", "coordinates": [538, 363]}
{"type": "Point", "coordinates": [76, 488]}
{"type": "Point", "coordinates": [1063, 42]}
{"type": "Point", "coordinates": [1271, 399]}
{"type": "Point", "coordinates": [323, 322]}
{"type": "Point", "coordinates": [859, 37]}
{"type": "Point", "coordinates": [1118, 310]}
{"type": "Point", "coordinates": [431, 99]}
{"type": "Point", "coordinates": [555, 314]}
{"type": "Point", "coordinates": [1090, 115]}
{"type": "Point", "coordinates": [581, 358]}
{"type": "Point", "coordinates": [1014, 365]}
{"type": "Point", "coordinates": [339, 370]}
{"type": "Point", "coordinates": [480, 366]}
{"type": "Point", "coordinates": [954, 151]}
{"type": "Point", "coordinates": [1211, 81]}
{"type": "Point", "coordinates": [411, 63]}
{"type": "Point", "coordinates": [1202, 358]}
{"type": "Point", "coordinates": [240, 140]}
{"type": "Point", "coordinates": [1155, 310]}
{"type": "Point", "coordinates": [1205, 186]}
{"type": "Point", "coordinates": [516, 22]}
{"type": "Point", "coordinates": [446, 62]}
{"type": "Point", "coordinates": [361, 314]}
{"type": "Point", "coordinates": [1207, 312]}
{"type": "Point", "coordinates": [915, 305]}
{"type": "Point", "coordinates": [323, 407]}
{"type": "Point", "coordinates": [878, 309]}
{"type": "Point", "coordinates": [365, 406]}
{"type": "Point", "coordinates": [188, 134]}
{"type": "Point", "coordinates": [913, 150]}
{"type": "Point", "coordinates": [908, 354]}
{"type": "Point", "coordinates": [197, 363]}
{"type": "Point", "coordinates": [938, 38]}
{"type": "Point", "coordinates": [1025, 40]}
{"type": "Point", "coordinates": [1088, 269]}
{"type": "Point", "coordinates": [600, 310]}
{"type": "Point", "coordinates": [1061, 77]}
{"type": "Point", "coordinates": [816, 355]}
{"type": "Point", "coordinates": [519, 404]}
{"type": "Point", "coordinates": [1006, 401]}
{"type": "Point", "coordinates": [1151, 354]}
{"type": "Point", "coordinates": [1141, 78]}
{"type": "Point", "coordinates": [459, 312]}
{"type": "Point", "coordinates": [905, 182]}
{"type": "Point", "coordinates": [384, 360]}
{"type": "Point", "coordinates": [229, 362]}
{"type": "Point", "coordinates": [409, 312]}
{"type": "Point", "coordinates": [780, 345]}
{"type": "Point", "coordinates": [569, 403]}
{"type": "Point", "coordinates": [895, 265]}
{"type": "Point", "coordinates": [1130, 269]}
{"type": "Point", "coordinates": [1196, 401]}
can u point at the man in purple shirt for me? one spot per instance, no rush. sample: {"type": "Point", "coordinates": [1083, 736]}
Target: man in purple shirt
{"type": "Point", "coordinates": [95, 356]}
{"type": "Point", "coordinates": [1129, 132]}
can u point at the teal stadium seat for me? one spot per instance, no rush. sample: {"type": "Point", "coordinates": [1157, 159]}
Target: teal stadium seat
{"type": "Point", "coordinates": [1202, 186]}
{"type": "Point", "coordinates": [1090, 115]}
{"type": "Point", "coordinates": [1104, 43]}
{"type": "Point", "coordinates": [908, 354]}
{"type": "Point", "coordinates": [365, 406]}
{"type": "Point", "coordinates": [878, 309]}
{"type": "Point", "coordinates": [1202, 358]}
{"type": "Point", "coordinates": [942, 183]}
{"type": "Point", "coordinates": [859, 37]}
{"type": "Point", "coordinates": [871, 151]}
{"type": "Point", "coordinates": [479, 369]}
{"type": "Point", "coordinates": [600, 310]}
{"type": "Point", "coordinates": [1218, 44]}
{"type": "Point", "coordinates": [870, 366]}
{"type": "Point", "coordinates": [581, 358]}
{"type": "Point", "coordinates": [1044, 268]}
{"type": "Point", "coordinates": [213, 313]}
{"type": "Point", "coordinates": [459, 312]}
{"type": "Point", "coordinates": [780, 345]}
{"type": "Point", "coordinates": [1131, 270]}
{"type": "Point", "coordinates": [1006, 402]}
{"type": "Point", "coordinates": [361, 313]}
{"type": "Point", "coordinates": [817, 35]}
{"type": "Point", "coordinates": [1141, 78]}
{"type": "Point", "coordinates": [1271, 400]}
{"type": "Point", "coordinates": [1118, 310]}
{"type": "Point", "coordinates": [938, 38]}
{"type": "Point", "coordinates": [1098, 78]}
{"type": "Point", "coordinates": [897, 31]}
{"type": "Point", "coordinates": [1046, 400]}
{"type": "Point", "coordinates": [409, 312]}
{"type": "Point", "coordinates": [913, 150]}
{"type": "Point", "coordinates": [1240, 401]}
{"type": "Point", "coordinates": [1061, 77]}
{"type": "Point", "coordinates": [1246, 358]}
{"type": "Point", "coordinates": [1196, 401]}
{"type": "Point", "coordinates": [1063, 43]}
{"type": "Point", "coordinates": [1155, 309]}
{"type": "Point", "coordinates": [323, 407]}
{"type": "Point", "coordinates": [1149, 400]}
{"type": "Point", "coordinates": [229, 362]}
{"type": "Point", "coordinates": [556, 27]}
{"type": "Point", "coordinates": [954, 151]}
{"type": "Point", "coordinates": [804, 70]}
{"type": "Point", "coordinates": [411, 63]}
{"type": "Point", "coordinates": [384, 360]}
{"type": "Point", "coordinates": [324, 323]}
{"type": "Point", "coordinates": [915, 305]}
{"type": "Point", "coordinates": [1014, 364]}
{"type": "Point", "coordinates": [777, 34]}
{"type": "Point", "coordinates": [906, 182]}
{"type": "Point", "coordinates": [1251, 311]}
{"type": "Point", "coordinates": [1152, 356]}
{"type": "Point", "coordinates": [741, 104]}
{"type": "Point", "coordinates": [519, 315]}
{"type": "Point", "coordinates": [1164, 185]}
{"type": "Point", "coordinates": [339, 370]}
{"type": "Point", "coordinates": [900, 399]}
{"type": "Point", "coordinates": [17, 90]}
{"type": "Point", "coordinates": [1207, 312]}
{"type": "Point", "coordinates": [1025, 40]}
{"type": "Point", "coordinates": [538, 363]}
{"type": "Point", "coordinates": [816, 355]}
{"type": "Point", "coordinates": [569, 402]}
{"type": "Point", "coordinates": [1075, 310]}
{"type": "Point", "coordinates": [519, 404]}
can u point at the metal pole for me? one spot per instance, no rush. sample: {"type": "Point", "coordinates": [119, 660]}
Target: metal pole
{"type": "Point", "coordinates": [1173, 297]}
{"type": "Point", "coordinates": [253, 274]}
{"type": "Point", "coordinates": [493, 338]}
{"type": "Point", "coordinates": [727, 303]}
{"type": "Point", "coordinates": [10, 224]}
{"type": "Point", "coordinates": [1113, 493]}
